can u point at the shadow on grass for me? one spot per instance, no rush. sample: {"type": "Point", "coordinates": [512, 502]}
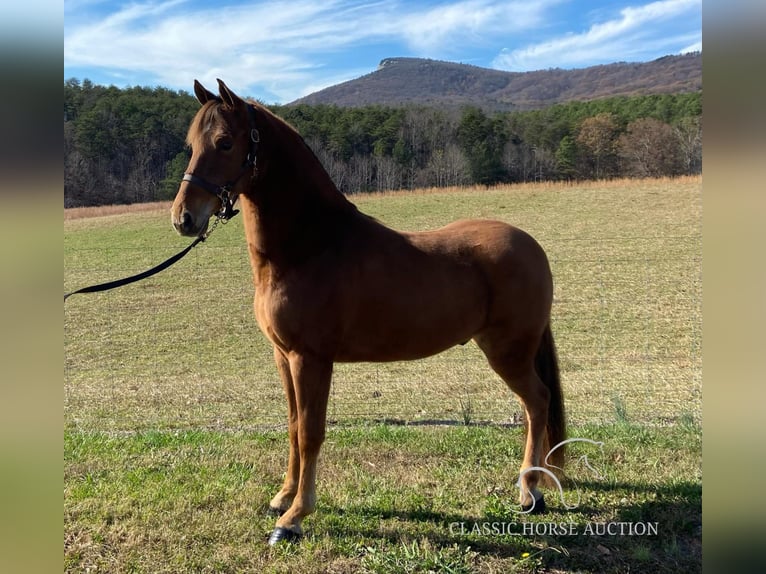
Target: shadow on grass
{"type": "Point", "coordinates": [661, 534]}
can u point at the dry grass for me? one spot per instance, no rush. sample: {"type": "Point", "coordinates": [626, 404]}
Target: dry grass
{"type": "Point", "coordinates": [533, 187]}
{"type": "Point", "coordinates": [104, 210]}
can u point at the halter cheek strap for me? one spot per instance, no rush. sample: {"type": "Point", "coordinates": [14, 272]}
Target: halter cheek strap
{"type": "Point", "coordinates": [222, 192]}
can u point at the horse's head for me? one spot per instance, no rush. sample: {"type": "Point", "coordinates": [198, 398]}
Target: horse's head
{"type": "Point", "coordinates": [223, 140]}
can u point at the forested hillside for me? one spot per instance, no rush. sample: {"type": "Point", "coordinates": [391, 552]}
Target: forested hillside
{"type": "Point", "coordinates": [402, 81]}
{"type": "Point", "coordinates": [127, 145]}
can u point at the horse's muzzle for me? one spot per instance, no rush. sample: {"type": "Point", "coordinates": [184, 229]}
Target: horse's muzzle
{"type": "Point", "coordinates": [187, 226]}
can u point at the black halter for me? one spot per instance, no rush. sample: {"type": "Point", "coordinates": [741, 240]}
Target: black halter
{"type": "Point", "coordinates": [223, 192]}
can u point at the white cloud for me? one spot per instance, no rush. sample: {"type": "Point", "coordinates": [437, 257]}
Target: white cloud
{"type": "Point", "coordinates": [634, 34]}
{"type": "Point", "coordinates": [696, 47]}
{"type": "Point", "coordinates": [254, 44]}
{"type": "Point", "coordinates": [444, 26]}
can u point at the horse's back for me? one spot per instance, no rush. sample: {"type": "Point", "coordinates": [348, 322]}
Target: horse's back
{"type": "Point", "coordinates": [502, 252]}
{"type": "Point", "coordinates": [489, 239]}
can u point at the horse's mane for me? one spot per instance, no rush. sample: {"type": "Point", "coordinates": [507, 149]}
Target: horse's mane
{"type": "Point", "coordinates": [289, 130]}
{"type": "Point", "coordinates": [312, 168]}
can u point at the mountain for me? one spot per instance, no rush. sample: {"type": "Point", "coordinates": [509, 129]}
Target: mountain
{"type": "Point", "coordinates": [399, 81]}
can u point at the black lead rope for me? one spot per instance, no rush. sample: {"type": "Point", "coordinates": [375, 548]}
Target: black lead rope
{"type": "Point", "coordinates": [139, 276]}
{"type": "Point", "coordinates": [221, 217]}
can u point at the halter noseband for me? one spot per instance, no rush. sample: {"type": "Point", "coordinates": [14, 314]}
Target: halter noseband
{"type": "Point", "coordinates": [223, 192]}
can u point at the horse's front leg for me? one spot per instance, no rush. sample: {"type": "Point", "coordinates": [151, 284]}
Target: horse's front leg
{"type": "Point", "coordinates": [311, 383]}
{"type": "Point", "coordinates": [284, 498]}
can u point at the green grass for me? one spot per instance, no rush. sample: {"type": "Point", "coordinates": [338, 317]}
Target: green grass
{"type": "Point", "coordinates": [173, 412]}
{"type": "Point", "coordinates": [196, 501]}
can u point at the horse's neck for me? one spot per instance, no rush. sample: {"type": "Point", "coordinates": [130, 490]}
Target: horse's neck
{"type": "Point", "coordinates": [294, 214]}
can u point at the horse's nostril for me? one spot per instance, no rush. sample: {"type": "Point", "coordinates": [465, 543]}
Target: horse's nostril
{"type": "Point", "coordinates": [186, 224]}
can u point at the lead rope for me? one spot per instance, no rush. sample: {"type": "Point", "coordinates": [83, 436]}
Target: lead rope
{"type": "Point", "coordinates": [154, 270]}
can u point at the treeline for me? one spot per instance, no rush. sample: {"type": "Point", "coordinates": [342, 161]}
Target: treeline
{"type": "Point", "coordinates": [127, 145]}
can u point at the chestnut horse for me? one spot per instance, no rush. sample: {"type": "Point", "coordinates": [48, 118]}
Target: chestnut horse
{"type": "Point", "coordinates": [333, 284]}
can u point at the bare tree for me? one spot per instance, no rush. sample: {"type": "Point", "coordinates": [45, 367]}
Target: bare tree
{"type": "Point", "coordinates": [361, 173]}
{"type": "Point", "coordinates": [650, 148]}
{"type": "Point", "coordinates": [387, 173]}
{"type": "Point", "coordinates": [447, 167]}
{"type": "Point", "coordinates": [335, 167]}
{"type": "Point", "coordinates": [689, 134]}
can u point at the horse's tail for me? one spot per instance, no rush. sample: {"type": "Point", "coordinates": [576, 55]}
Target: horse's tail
{"type": "Point", "coordinates": [547, 367]}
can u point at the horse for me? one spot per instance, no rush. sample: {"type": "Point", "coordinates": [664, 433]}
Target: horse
{"type": "Point", "coordinates": [335, 285]}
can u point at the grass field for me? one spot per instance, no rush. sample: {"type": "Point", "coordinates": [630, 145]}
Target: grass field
{"type": "Point", "coordinates": [173, 410]}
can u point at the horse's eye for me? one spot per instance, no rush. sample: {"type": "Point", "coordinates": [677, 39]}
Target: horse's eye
{"type": "Point", "coordinates": [225, 145]}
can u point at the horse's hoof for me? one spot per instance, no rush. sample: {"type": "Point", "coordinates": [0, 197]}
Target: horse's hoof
{"type": "Point", "coordinates": [537, 508]}
{"type": "Point", "coordinates": [281, 534]}
{"type": "Point", "coordinates": [275, 511]}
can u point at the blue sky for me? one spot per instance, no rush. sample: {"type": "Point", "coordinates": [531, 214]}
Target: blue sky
{"type": "Point", "coordinates": [280, 50]}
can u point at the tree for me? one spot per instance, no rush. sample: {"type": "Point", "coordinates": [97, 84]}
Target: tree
{"type": "Point", "coordinates": [597, 138]}
{"type": "Point", "coordinates": [173, 175]}
{"type": "Point", "coordinates": [482, 139]}
{"type": "Point", "coordinates": [650, 148]}
{"type": "Point", "coordinates": [566, 158]}
{"type": "Point", "coordinates": [447, 167]}
{"type": "Point", "coordinates": [689, 133]}
{"type": "Point", "coordinates": [388, 173]}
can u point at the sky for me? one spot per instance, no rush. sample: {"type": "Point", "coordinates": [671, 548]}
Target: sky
{"type": "Point", "coordinates": [280, 50]}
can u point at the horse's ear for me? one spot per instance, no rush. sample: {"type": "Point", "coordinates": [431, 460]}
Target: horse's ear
{"type": "Point", "coordinates": [203, 94]}
{"type": "Point", "coordinates": [229, 98]}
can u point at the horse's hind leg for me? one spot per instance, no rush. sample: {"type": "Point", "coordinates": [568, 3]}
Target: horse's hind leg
{"type": "Point", "coordinates": [284, 498]}
{"type": "Point", "coordinates": [515, 364]}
